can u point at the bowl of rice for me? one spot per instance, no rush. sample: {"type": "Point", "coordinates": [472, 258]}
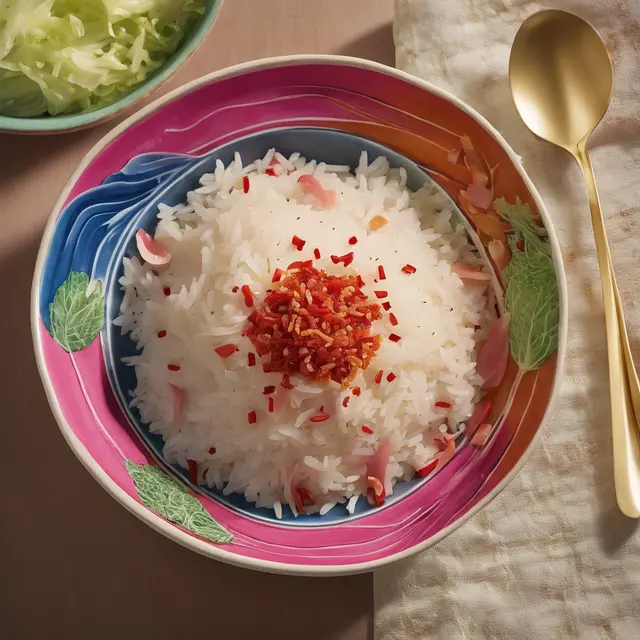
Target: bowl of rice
{"type": "Point", "coordinates": [312, 325]}
{"type": "Point", "coordinates": [67, 64]}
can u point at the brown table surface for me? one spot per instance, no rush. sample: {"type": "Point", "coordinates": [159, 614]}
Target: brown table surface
{"type": "Point", "coordinates": [74, 563]}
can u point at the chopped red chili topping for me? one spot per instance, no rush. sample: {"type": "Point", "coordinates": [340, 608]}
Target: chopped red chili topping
{"type": "Point", "coordinates": [367, 430]}
{"type": "Point", "coordinates": [251, 359]}
{"type": "Point", "coordinates": [394, 337]}
{"type": "Point", "coordinates": [345, 401]}
{"type": "Point", "coordinates": [391, 377]}
{"type": "Point", "coordinates": [248, 296]}
{"type": "Point", "coordinates": [166, 291]}
{"type": "Point", "coordinates": [212, 450]}
{"type": "Point", "coordinates": [315, 324]}
{"type": "Point", "coordinates": [353, 240]}
{"type": "Point", "coordinates": [409, 269]}
{"type": "Point", "coordinates": [443, 405]}
{"type": "Point", "coordinates": [381, 274]}
{"type": "Point", "coordinates": [277, 274]}
{"type": "Point", "coordinates": [393, 319]}
{"type": "Point", "coordinates": [226, 350]}
{"type": "Point", "coordinates": [193, 471]}
{"type": "Point", "coordinates": [298, 243]}
{"type": "Point", "coordinates": [270, 404]}
{"type": "Point", "coordinates": [270, 389]}
{"type": "Point", "coordinates": [356, 391]}
{"type": "Point", "coordinates": [252, 417]}
{"type": "Point", "coordinates": [245, 184]}
{"type": "Point", "coordinates": [360, 281]}
{"type": "Point", "coordinates": [428, 468]}
{"type": "Point", "coordinates": [161, 334]}
{"type": "Point", "coordinates": [386, 306]}
{"type": "Point", "coordinates": [235, 289]}
{"type": "Point", "coordinates": [302, 497]}
{"type": "Point", "coordinates": [286, 382]}
{"type": "Point", "coordinates": [316, 254]}
{"type": "Point", "coordinates": [378, 378]}
{"type": "Point", "coordinates": [381, 294]}
{"type": "Point", "coordinates": [173, 367]}
{"type": "Point", "coordinates": [346, 259]}
{"type": "Point", "coordinates": [319, 417]}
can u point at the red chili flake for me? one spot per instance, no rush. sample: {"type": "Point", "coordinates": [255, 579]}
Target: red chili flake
{"type": "Point", "coordinates": [378, 378]}
{"type": "Point", "coordinates": [245, 184]}
{"type": "Point", "coordinates": [345, 401]}
{"type": "Point", "coordinates": [298, 243]}
{"type": "Point", "coordinates": [212, 450]}
{"type": "Point", "coordinates": [161, 334]}
{"type": "Point", "coordinates": [226, 350]}
{"type": "Point", "coordinates": [316, 254]}
{"type": "Point", "coordinates": [367, 430]}
{"type": "Point", "coordinates": [270, 171]}
{"type": "Point", "coordinates": [353, 240]}
{"type": "Point", "coordinates": [391, 377]}
{"type": "Point", "coordinates": [356, 391]}
{"type": "Point", "coordinates": [286, 381]}
{"type": "Point", "coordinates": [252, 417]}
{"type": "Point", "coordinates": [173, 367]}
{"type": "Point", "coordinates": [360, 281]}
{"type": "Point", "coordinates": [235, 289]}
{"type": "Point", "coordinates": [319, 417]}
{"type": "Point", "coordinates": [166, 291]}
{"type": "Point", "coordinates": [409, 269]}
{"type": "Point", "coordinates": [381, 274]}
{"type": "Point", "coordinates": [394, 337]}
{"type": "Point", "coordinates": [381, 294]}
{"type": "Point", "coordinates": [270, 404]}
{"type": "Point", "coordinates": [386, 306]}
{"type": "Point", "coordinates": [277, 274]}
{"type": "Point", "coordinates": [193, 471]}
{"type": "Point", "coordinates": [346, 259]}
{"type": "Point", "coordinates": [270, 389]}
{"type": "Point", "coordinates": [443, 405]}
{"type": "Point", "coordinates": [251, 359]}
{"type": "Point", "coordinates": [393, 319]}
{"type": "Point", "coordinates": [248, 296]}
{"type": "Point", "coordinates": [428, 468]}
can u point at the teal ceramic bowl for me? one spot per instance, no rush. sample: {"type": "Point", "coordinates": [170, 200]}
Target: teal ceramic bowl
{"type": "Point", "coordinates": [65, 123]}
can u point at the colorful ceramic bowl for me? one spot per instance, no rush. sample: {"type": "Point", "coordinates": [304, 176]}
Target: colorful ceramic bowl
{"type": "Point", "coordinates": [65, 123]}
{"type": "Point", "coordinates": [329, 107]}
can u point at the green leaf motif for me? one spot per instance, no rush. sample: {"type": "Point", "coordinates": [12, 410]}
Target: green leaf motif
{"type": "Point", "coordinates": [77, 312]}
{"type": "Point", "coordinates": [532, 296]}
{"type": "Point", "coordinates": [170, 499]}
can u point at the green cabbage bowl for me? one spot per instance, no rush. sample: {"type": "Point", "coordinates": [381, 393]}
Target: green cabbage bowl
{"type": "Point", "coordinates": [195, 32]}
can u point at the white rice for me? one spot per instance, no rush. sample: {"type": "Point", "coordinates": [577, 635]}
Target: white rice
{"type": "Point", "coordinates": [223, 238]}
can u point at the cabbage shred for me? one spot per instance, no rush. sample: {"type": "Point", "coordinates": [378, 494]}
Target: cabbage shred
{"type": "Point", "coordinates": [64, 56]}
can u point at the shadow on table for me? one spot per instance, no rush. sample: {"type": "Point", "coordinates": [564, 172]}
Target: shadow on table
{"type": "Point", "coordinates": [376, 45]}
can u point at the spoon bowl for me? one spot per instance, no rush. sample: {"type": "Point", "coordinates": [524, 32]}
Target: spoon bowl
{"type": "Point", "coordinates": [561, 77]}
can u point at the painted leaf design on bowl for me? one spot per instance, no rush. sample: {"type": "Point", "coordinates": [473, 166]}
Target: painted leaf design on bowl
{"type": "Point", "coordinates": [170, 499]}
{"type": "Point", "coordinates": [532, 298]}
{"type": "Point", "coordinates": [77, 312]}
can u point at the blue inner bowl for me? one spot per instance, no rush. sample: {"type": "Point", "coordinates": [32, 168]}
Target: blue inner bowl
{"type": "Point", "coordinates": [130, 198]}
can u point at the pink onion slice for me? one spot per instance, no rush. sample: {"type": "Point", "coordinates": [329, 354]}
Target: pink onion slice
{"type": "Point", "coordinates": [177, 396]}
{"type": "Point", "coordinates": [478, 416]}
{"type": "Point", "coordinates": [482, 435]}
{"type": "Point", "coordinates": [310, 185]}
{"type": "Point", "coordinates": [469, 272]}
{"type": "Point", "coordinates": [151, 250]}
{"type": "Point", "coordinates": [492, 360]}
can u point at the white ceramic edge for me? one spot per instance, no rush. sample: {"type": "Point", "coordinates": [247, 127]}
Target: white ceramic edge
{"type": "Point", "coordinates": [170, 530]}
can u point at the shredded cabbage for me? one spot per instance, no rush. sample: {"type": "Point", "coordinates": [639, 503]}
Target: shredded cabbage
{"type": "Point", "coordinates": [63, 56]}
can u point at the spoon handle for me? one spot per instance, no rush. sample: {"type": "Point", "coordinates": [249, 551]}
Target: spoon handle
{"type": "Point", "coordinates": [623, 379]}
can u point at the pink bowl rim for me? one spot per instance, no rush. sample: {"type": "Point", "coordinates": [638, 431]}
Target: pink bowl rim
{"type": "Point", "coordinates": [157, 522]}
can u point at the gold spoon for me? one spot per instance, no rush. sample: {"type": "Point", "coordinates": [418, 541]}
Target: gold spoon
{"type": "Point", "coordinates": [562, 79]}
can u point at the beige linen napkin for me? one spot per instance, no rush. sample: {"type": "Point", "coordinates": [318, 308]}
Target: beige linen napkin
{"type": "Point", "coordinates": [551, 557]}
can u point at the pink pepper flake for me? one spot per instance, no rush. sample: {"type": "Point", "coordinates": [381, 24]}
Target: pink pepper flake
{"type": "Point", "coordinates": [252, 417]}
{"type": "Point", "coordinates": [367, 430]}
{"type": "Point", "coordinates": [391, 377]}
{"type": "Point", "coordinates": [316, 254]}
{"type": "Point", "coordinates": [381, 294]}
{"type": "Point", "coordinates": [226, 350]}
{"type": "Point", "coordinates": [346, 259]}
{"type": "Point", "coordinates": [166, 291]}
{"type": "Point", "coordinates": [381, 274]}
{"type": "Point", "coordinates": [443, 405]}
{"type": "Point", "coordinates": [353, 240]}
{"type": "Point", "coordinates": [212, 451]}
{"type": "Point", "coordinates": [270, 389]}
{"type": "Point", "coordinates": [245, 184]}
{"type": "Point", "coordinates": [161, 334]}
{"type": "Point", "coordinates": [345, 401]}
{"type": "Point", "coordinates": [270, 399]}
{"type": "Point", "coordinates": [248, 295]}
{"type": "Point", "coordinates": [193, 471]}
{"type": "Point", "coordinates": [298, 243]}
{"type": "Point", "coordinates": [394, 337]}
{"type": "Point", "coordinates": [251, 359]}
{"type": "Point", "coordinates": [409, 269]}
{"type": "Point", "coordinates": [319, 417]}
{"type": "Point", "coordinates": [356, 391]}
{"type": "Point", "coordinates": [173, 367]}
{"type": "Point", "coordinates": [393, 320]}
{"type": "Point", "coordinates": [428, 468]}
{"type": "Point", "coordinates": [378, 377]}
{"type": "Point", "coordinates": [386, 306]}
